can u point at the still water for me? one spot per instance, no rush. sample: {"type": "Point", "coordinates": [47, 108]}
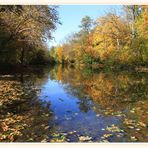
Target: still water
{"type": "Point", "coordinates": [67, 104]}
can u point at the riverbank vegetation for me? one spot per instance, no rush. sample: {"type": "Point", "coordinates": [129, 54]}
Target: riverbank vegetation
{"type": "Point", "coordinates": [111, 40]}
{"type": "Point", "coordinates": [24, 32]}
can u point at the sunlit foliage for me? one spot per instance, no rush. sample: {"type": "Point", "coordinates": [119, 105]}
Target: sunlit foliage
{"type": "Point", "coordinates": [111, 39]}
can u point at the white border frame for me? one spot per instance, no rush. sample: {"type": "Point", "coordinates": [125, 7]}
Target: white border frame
{"type": "Point", "coordinates": [74, 2]}
{"type": "Point", "coordinates": [63, 2]}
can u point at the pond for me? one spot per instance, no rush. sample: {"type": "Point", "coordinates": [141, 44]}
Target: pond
{"type": "Point", "coordinates": [68, 104]}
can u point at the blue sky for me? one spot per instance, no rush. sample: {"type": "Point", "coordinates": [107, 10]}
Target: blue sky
{"type": "Point", "coordinates": [71, 15]}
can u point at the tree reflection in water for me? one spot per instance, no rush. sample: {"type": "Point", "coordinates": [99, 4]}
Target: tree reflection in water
{"type": "Point", "coordinates": [73, 104]}
{"type": "Point", "coordinates": [110, 94]}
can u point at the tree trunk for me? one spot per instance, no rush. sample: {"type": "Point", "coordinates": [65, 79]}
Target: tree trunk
{"type": "Point", "coordinates": [22, 56]}
{"type": "Point", "coordinates": [134, 15]}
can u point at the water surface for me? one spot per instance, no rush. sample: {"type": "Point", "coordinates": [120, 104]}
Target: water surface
{"type": "Point", "coordinates": [63, 104]}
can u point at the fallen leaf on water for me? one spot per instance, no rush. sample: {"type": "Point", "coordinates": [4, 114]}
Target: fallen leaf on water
{"type": "Point", "coordinates": [97, 115]}
{"type": "Point", "coordinates": [4, 126]}
{"type": "Point", "coordinates": [133, 138]}
{"type": "Point", "coordinates": [142, 124]}
{"type": "Point", "coordinates": [44, 140]}
{"type": "Point", "coordinates": [84, 138]}
{"type": "Point", "coordinates": [107, 135]}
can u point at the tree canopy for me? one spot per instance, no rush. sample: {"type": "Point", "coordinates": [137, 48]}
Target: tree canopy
{"type": "Point", "coordinates": [24, 31]}
{"type": "Point", "coordinates": [110, 39]}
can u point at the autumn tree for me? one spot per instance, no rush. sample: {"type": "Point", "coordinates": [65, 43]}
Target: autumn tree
{"type": "Point", "coordinates": [26, 28]}
{"type": "Point", "coordinates": [111, 40]}
{"type": "Point", "coordinates": [86, 25]}
{"type": "Point", "coordinates": [110, 34]}
{"type": "Point", "coordinates": [140, 44]}
{"type": "Point", "coordinates": [132, 13]}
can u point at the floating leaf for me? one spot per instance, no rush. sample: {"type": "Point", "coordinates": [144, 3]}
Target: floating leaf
{"type": "Point", "coordinates": [84, 138]}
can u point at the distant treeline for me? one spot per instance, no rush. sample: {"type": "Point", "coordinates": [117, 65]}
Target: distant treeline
{"type": "Point", "coordinates": [24, 32]}
{"type": "Point", "coordinates": [110, 40]}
